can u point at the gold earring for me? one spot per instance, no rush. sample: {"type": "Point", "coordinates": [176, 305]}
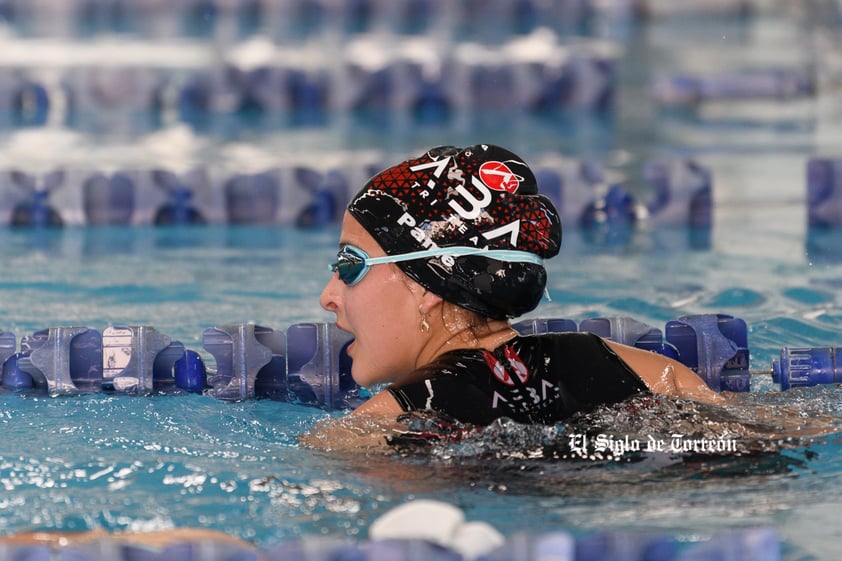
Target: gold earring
{"type": "Point", "coordinates": [425, 326]}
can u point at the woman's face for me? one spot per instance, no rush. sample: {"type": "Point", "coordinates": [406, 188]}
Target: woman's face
{"type": "Point", "coordinates": [380, 311]}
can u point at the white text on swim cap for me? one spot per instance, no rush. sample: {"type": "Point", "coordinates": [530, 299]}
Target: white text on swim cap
{"type": "Point", "coordinates": [476, 205]}
{"type": "Point", "coordinates": [421, 237]}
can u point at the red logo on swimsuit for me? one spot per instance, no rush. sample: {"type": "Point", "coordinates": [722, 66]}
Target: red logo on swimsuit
{"type": "Point", "coordinates": [497, 368]}
{"type": "Point", "coordinates": [500, 371]}
{"type": "Point", "coordinates": [517, 364]}
{"type": "Point", "coordinates": [499, 177]}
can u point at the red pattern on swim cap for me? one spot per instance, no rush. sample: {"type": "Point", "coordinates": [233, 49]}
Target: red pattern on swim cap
{"type": "Point", "coordinates": [444, 194]}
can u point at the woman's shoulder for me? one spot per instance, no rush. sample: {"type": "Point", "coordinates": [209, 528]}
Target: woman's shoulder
{"type": "Point", "coordinates": [564, 339]}
{"type": "Point", "coordinates": [529, 350]}
{"type": "Point", "coordinates": [538, 343]}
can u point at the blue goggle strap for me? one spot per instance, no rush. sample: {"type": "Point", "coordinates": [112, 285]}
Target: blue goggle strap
{"type": "Point", "coordinates": [509, 255]}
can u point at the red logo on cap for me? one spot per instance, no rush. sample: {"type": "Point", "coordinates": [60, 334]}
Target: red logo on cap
{"type": "Point", "coordinates": [499, 177]}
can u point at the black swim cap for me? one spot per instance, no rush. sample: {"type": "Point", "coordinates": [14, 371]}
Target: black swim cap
{"type": "Point", "coordinates": [481, 196]}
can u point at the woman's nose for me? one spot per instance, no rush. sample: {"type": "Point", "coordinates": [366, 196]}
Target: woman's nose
{"type": "Point", "coordinates": [328, 298]}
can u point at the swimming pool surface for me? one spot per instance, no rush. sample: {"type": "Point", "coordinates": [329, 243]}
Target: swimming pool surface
{"type": "Point", "coordinates": [141, 463]}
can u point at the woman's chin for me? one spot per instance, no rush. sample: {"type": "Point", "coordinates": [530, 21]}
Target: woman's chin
{"type": "Point", "coordinates": [362, 381]}
{"type": "Point", "coordinates": [362, 375]}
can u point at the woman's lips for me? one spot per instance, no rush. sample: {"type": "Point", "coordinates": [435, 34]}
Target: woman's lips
{"type": "Point", "coordinates": [351, 344]}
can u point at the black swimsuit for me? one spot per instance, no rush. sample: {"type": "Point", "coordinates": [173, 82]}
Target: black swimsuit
{"type": "Point", "coordinates": [531, 379]}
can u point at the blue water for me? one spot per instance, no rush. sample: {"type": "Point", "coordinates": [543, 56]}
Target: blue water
{"type": "Point", "coordinates": [119, 462]}
{"type": "Point", "coordinates": [143, 463]}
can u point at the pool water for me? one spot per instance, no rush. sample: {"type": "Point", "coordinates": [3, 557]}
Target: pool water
{"type": "Point", "coordinates": [143, 463]}
{"type": "Point", "coordinates": [121, 462]}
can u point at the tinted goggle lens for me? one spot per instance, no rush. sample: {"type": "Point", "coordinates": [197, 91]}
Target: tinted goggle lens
{"type": "Point", "coordinates": [350, 264]}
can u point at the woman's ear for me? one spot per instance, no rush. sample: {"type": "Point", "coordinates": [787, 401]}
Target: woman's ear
{"type": "Point", "coordinates": [428, 302]}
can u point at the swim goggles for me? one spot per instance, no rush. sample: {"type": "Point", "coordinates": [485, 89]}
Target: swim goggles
{"type": "Point", "coordinates": [352, 263]}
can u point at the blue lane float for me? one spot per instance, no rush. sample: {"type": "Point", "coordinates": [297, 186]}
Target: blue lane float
{"type": "Point", "coordinates": [28, 198]}
{"type": "Point", "coordinates": [406, 79]}
{"type": "Point", "coordinates": [319, 368]}
{"type": "Point", "coordinates": [824, 193]}
{"type": "Point", "coordinates": [243, 353]}
{"type": "Point", "coordinates": [308, 363]}
{"type": "Point", "coordinates": [296, 195]}
{"type": "Point", "coordinates": [745, 544]}
{"type": "Point", "coordinates": [682, 192]}
{"type": "Point", "coordinates": [680, 195]}
{"type": "Point", "coordinates": [437, 531]}
{"type": "Point", "coordinates": [252, 198]}
{"type": "Point", "coordinates": [753, 84]}
{"type": "Point", "coordinates": [807, 366]}
{"type": "Point", "coordinates": [108, 200]}
{"type": "Point", "coordinates": [114, 98]}
{"type": "Point", "coordinates": [139, 359]}
{"type": "Point", "coordinates": [62, 359]}
{"type": "Point", "coordinates": [24, 101]}
{"type": "Point", "coordinates": [714, 346]}
{"type": "Point", "coordinates": [282, 18]}
{"type": "Point", "coordinates": [411, 80]}
{"type": "Point", "coordinates": [545, 325]}
{"type": "Point", "coordinates": [179, 208]}
{"type": "Point", "coordinates": [630, 332]}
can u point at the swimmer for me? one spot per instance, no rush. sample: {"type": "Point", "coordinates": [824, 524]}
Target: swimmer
{"type": "Point", "coordinates": [153, 541]}
{"type": "Point", "coordinates": [436, 255]}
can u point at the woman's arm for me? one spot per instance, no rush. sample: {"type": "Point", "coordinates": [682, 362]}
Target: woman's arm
{"type": "Point", "coordinates": [158, 539]}
{"type": "Point", "coordinates": [666, 376]}
{"type": "Point", "coordinates": [381, 403]}
{"type": "Point", "coordinates": [368, 426]}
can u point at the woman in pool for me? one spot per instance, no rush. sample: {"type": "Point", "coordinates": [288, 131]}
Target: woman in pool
{"type": "Point", "coordinates": [436, 254]}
